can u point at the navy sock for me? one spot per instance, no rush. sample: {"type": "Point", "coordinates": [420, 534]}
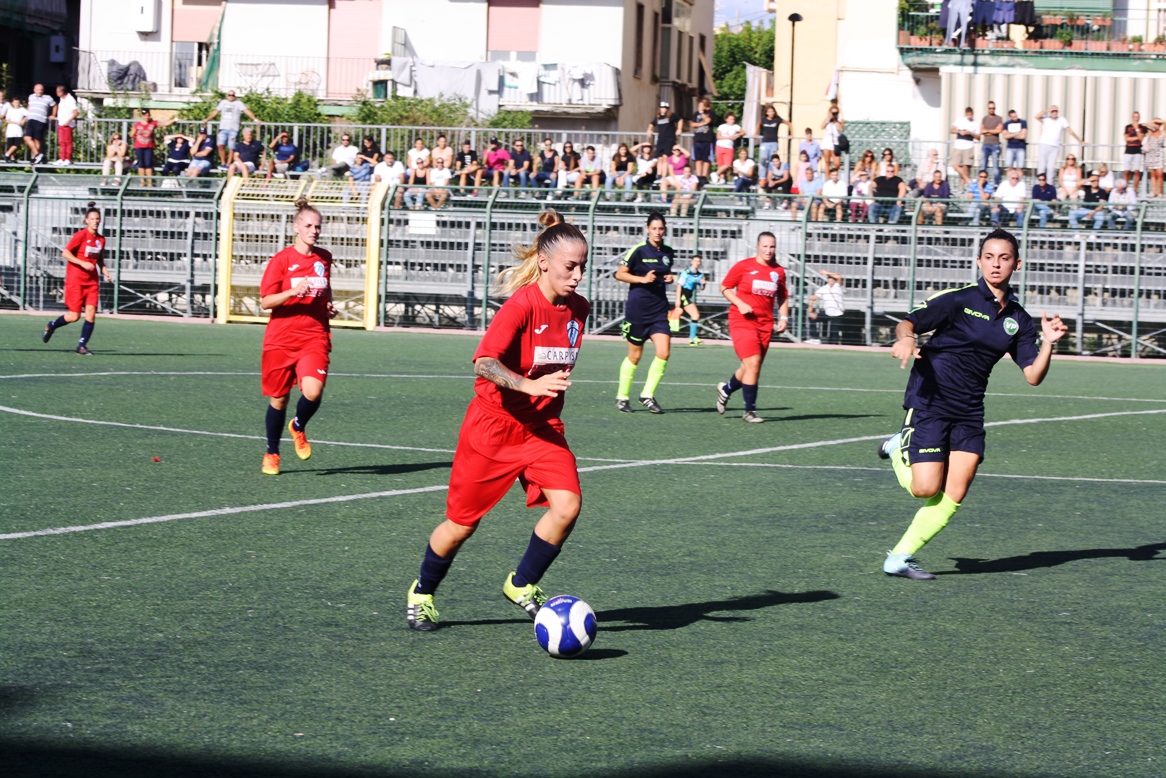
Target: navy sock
{"type": "Point", "coordinates": [750, 393]}
{"type": "Point", "coordinates": [275, 418]}
{"type": "Point", "coordinates": [60, 322]}
{"type": "Point", "coordinates": [538, 557]}
{"type": "Point", "coordinates": [733, 384]}
{"type": "Point", "coordinates": [305, 410]}
{"type": "Point", "coordinates": [86, 333]}
{"type": "Point", "coordinates": [433, 570]}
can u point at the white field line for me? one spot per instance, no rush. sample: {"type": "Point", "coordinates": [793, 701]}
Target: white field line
{"type": "Point", "coordinates": [704, 458]}
{"type": "Point", "coordinates": [978, 475]}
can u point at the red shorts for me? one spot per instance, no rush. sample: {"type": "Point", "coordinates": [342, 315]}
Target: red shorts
{"type": "Point", "coordinates": [750, 336]}
{"type": "Point", "coordinates": [78, 295]}
{"type": "Point", "coordinates": [724, 156]}
{"type": "Point", "coordinates": [493, 449]}
{"type": "Point", "coordinates": [284, 368]}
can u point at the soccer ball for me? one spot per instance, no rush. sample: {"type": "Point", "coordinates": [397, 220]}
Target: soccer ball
{"type": "Point", "coordinates": [565, 626]}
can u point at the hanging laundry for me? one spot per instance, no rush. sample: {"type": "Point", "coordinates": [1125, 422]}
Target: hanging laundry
{"type": "Point", "coordinates": [1025, 13]}
{"type": "Point", "coordinates": [1005, 12]}
{"type": "Point", "coordinates": [983, 13]}
{"type": "Point", "coordinates": [958, 17]}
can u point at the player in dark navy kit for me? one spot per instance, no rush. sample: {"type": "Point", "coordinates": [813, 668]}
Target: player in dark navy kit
{"type": "Point", "coordinates": [512, 428]}
{"type": "Point", "coordinates": [84, 255]}
{"type": "Point", "coordinates": [647, 269]}
{"type": "Point", "coordinates": [936, 454]}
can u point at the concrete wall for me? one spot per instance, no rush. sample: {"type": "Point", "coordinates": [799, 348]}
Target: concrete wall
{"type": "Point", "coordinates": [288, 28]}
{"type": "Point", "coordinates": [437, 29]}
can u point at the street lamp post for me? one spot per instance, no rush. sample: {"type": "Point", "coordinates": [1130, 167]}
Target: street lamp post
{"type": "Point", "coordinates": [794, 18]}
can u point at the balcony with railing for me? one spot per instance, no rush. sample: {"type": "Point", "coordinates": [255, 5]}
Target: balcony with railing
{"type": "Point", "coordinates": [1121, 41]}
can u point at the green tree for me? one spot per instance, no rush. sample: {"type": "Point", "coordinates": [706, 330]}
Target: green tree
{"type": "Point", "coordinates": [731, 51]}
{"type": "Point", "coordinates": [300, 108]}
{"type": "Point", "coordinates": [415, 112]}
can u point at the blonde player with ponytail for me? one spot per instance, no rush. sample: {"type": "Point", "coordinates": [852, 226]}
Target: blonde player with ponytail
{"type": "Point", "coordinates": [512, 428]}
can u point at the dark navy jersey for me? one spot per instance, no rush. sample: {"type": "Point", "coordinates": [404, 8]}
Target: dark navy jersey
{"type": "Point", "coordinates": [970, 334]}
{"type": "Point", "coordinates": [648, 302]}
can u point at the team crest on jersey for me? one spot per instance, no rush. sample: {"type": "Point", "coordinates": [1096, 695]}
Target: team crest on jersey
{"type": "Point", "coordinates": [318, 267]}
{"type": "Point", "coordinates": [1010, 326]}
{"type": "Point", "coordinates": [773, 276]}
{"type": "Point", "coordinates": [572, 332]}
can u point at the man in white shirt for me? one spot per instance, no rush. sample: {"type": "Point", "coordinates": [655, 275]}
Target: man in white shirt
{"type": "Point", "coordinates": [39, 106]}
{"type": "Point", "coordinates": [1048, 149]}
{"type": "Point", "coordinates": [232, 110]}
{"type": "Point", "coordinates": [1123, 205]}
{"type": "Point", "coordinates": [833, 193]}
{"type": "Point", "coordinates": [1011, 193]}
{"type": "Point", "coordinates": [343, 157]}
{"type": "Point", "coordinates": [65, 112]}
{"type": "Point", "coordinates": [963, 155]}
{"type": "Point", "coordinates": [390, 170]}
{"type": "Point", "coordinates": [829, 299]}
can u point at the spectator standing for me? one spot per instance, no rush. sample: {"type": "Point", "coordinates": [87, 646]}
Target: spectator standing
{"type": "Point", "coordinates": [202, 158]}
{"type": "Point", "coordinates": [623, 169]}
{"type": "Point", "coordinates": [1044, 195]}
{"type": "Point", "coordinates": [834, 193]}
{"type": "Point", "coordinates": [343, 157]}
{"type": "Point", "coordinates": [115, 156]}
{"type": "Point", "coordinates": [811, 147]}
{"type": "Point", "coordinates": [702, 138]}
{"type": "Point", "coordinates": [1070, 178]}
{"type": "Point", "coordinates": [232, 110]}
{"type": "Point", "coordinates": [467, 165]}
{"type": "Point", "coordinates": [285, 156]}
{"type": "Point", "coordinates": [439, 177]}
{"type": "Point", "coordinates": [177, 154]}
{"type": "Point", "coordinates": [40, 106]}
{"type": "Point", "coordinates": [497, 161]}
{"type": "Point", "coordinates": [963, 155]}
{"type": "Point", "coordinates": [979, 192]}
{"type": "Point", "coordinates": [832, 127]}
{"type": "Point", "coordinates": [1048, 149]}
{"type": "Point", "coordinates": [935, 194]}
{"type": "Point", "coordinates": [65, 112]}
{"type": "Point", "coordinates": [727, 135]}
{"type": "Point", "coordinates": [1011, 194]}
{"type": "Point", "coordinates": [810, 189]}
{"type": "Point", "coordinates": [1152, 149]}
{"type": "Point", "coordinates": [829, 298]}
{"type": "Point", "coordinates": [441, 148]}
{"type": "Point", "coordinates": [1093, 200]}
{"type": "Point", "coordinates": [888, 192]}
{"type": "Point", "coordinates": [521, 166]}
{"type": "Point", "coordinates": [991, 127]}
{"type": "Point", "coordinates": [548, 165]}
{"type": "Point", "coordinates": [1133, 160]}
{"type": "Point", "coordinates": [777, 180]}
{"type": "Point", "coordinates": [767, 130]}
{"type": "Point", "coordinates": [590, 169]}
{"type": "Point", "coordinates": [686, 185]}
{"type": "Point", "coordinates": [144, 141]}
{"type": "Point", "coordinates": [1015, 136]}
{"type": "Point", "coordinates": [247, 156]}
{"type": "Point", "coordinates": [665, 127]}
{"type": "Point", "coordinates": [1123, 206]}
{"type": "Point", "coordinates": [14, 118]}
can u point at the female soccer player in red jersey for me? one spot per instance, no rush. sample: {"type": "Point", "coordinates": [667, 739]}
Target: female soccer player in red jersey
{"type": "Point", "coordinates": [512, 427]}
{"type": "Point", "coordinates": [84, 254]}
{"type": "Point", "coordinates": [296, 288]}
{"type": "Point", "coordinates": [752, 286]}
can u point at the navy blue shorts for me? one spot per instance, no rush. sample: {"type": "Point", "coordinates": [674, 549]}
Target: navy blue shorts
{"type": "Point", "coordinates": [702, 151]}
{"type": "Point", "coordinates": [145, 158]}
{"type": "Point", "coordinates": [929, 436]}
{"type": "Point", "coordinates": [634, 332]}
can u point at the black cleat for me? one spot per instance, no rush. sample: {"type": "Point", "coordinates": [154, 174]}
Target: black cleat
{"type": "Point", "coordinates": [623, 406]}
{"type": "Point", "coordinates": [47, 335]}
{"type": "Point", "coordinates": [84, 351]}
{"type": "Point", "coordinates": [651, 404]}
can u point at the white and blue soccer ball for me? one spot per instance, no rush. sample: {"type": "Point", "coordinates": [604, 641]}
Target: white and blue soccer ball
{"type": "Point", "coordinates": [565, 626]}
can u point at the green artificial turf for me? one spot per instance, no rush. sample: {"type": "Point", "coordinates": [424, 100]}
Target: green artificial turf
{"type": "Point", "coordinates": [746, 627]}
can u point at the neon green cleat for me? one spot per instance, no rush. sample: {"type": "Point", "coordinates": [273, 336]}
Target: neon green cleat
{"type": "Point", "coordinates": [421, 612]}
{"type": "Point", "coordinates": [530, 597]}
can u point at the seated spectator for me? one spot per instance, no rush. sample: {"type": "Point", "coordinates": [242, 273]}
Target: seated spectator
{"type": "Point", "coordinates": [568, 166]}
{"type": "Point", "coordinates": [979, 192]}
{"type": "Point", "coordinates": [391, 172]}
{"type": "Point", "coordinates": [803, 165]}
{"type": "Point", "coordinates": [1011, 193]}
{"type": "Point", "coordinates": [888, 191]}
{"type": "Point", "coordinates": [177, 154]}
{"type": "Point", "coordinates": [744, 169]}
{"type": "Point", "coordinates": [285, 157]}
{"type": "Point", "coordinates": [925, 173]}
{"type": "Point", "coordinates": [591, 170]}
{"type": "Point", "coordinates": [367, 156]}
{"type": "Point", "coordinates": [888, 167]}
{"type": "Point", "coordinates": [810, 188]}
{"type": "Point", "coordinates": [496, 162]}
{"type": "Point", "coordinates": [417, 152]}
{"type": "Point", "coordinates": [343, 157]}
{"type": "Point", "coordinates": [777, 180]}
{"type": "Point", "coordinates": [727, 135]}
{"type": "Point", "coordinates": [548, 165]}
{"type": "Point", "coordinates": [520, 166]}
{"type": "Point", "coordinates": [861, 199]}
{"type": "Point", "coordinates": [1044, 196]}
{"type": "Point", "coordinates": [441, 148]}
{"type": "Point", "coordinates": [865, 163]}
{"type": "Point", "coordinates": [1105, 178]}
{"type": "Point", "coordinates": [834, 193]}
{"type": "Point", "coordinates": [1123, 206]}
{"type": "Point", "coordinates": [418, 178]}
{"type": "Point", "coordinates": [466, 166]}
{"type": "Point", "coordinates": [934, 193]}
{"type": "Point", "coordinates": [115, 155]}
{"type": "Point", "coordinates": [685, 185]}
{"type": "Point", "coordinates": [439, 176]}
{"type": "Point", "coordinates": [1093, 199]}
{"type": "Point", "coordinates": [203, 158]}
{"type": "Point", "coordinates": [812, 149]}
{"type": "Point", "coordinates": [645, 174]}
{"type": "Point", "coordinates": [622, 173]}
{"type": "Point", "coordinates": [246, 158]}
{"type": "Point", "coordinates": [1070, 178]}
{"type": "Point", "coordinates": [675, 162]}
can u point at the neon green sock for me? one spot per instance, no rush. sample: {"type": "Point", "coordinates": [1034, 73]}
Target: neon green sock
{"type": "Point", "coordinates": [928, 521]}
{"type": "Point", "coordinates": [627, 374]}
{"type": "Point", "coordinates": [902, 467]}
{"type": "Point", "coordinates": [655, 376]}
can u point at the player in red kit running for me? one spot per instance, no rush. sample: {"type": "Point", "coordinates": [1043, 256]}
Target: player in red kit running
{"type": "Point", "coordinates": [753, 286]}
{"type": "Point", "coordinates": [512, 427]}
{"type": "Point", "coordinates": [296, 288]}
{"type": "Point", "coordinates": [84, 254]}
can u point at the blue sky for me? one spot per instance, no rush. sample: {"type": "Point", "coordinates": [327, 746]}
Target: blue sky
{"type": "Point", "coordinates": [749, 10]}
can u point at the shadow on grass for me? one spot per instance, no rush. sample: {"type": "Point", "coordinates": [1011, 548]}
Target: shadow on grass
{"type": "Point", "coordinates": [711, 409]}
{"type": "Point", "coordinates": [1039, 559]}
{"type": "Point", "coordinates": [679, 616]}
{"type": "Point", "coordinates": [37, 760]}
{"type": "Point", "coordinates": [818, 416]}
{"type": "Point", "coordinates": [374, 469]}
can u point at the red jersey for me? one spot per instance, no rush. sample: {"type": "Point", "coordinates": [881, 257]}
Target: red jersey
{"type": "Point", "coordinates": [144, 134]}
{"type": "Point", "coordinates": [89, 247]}
{"type": "Point", "coordinates": [760, 286]}
{"type": "Point", "coordinates": [532, 337]}
{"type": "Point", "coordinates": [300, 320]}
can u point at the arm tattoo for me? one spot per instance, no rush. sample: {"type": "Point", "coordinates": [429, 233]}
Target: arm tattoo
{"type": "Point", "coordinates": [494, 371]}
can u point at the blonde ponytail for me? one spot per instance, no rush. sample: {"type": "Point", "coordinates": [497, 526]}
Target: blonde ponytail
{"type": "Point", "coordinates": [554, 232]}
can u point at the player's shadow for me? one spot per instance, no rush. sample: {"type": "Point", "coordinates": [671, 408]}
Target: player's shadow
{"type": "Point", "coordinates": [819, 416]}
{"type": "Point", "coordinates": [1042, 559]}
{"type": "Point", "coordinates": [415, 467]}
{"type": "Point", "coordinates": [679, 616]}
